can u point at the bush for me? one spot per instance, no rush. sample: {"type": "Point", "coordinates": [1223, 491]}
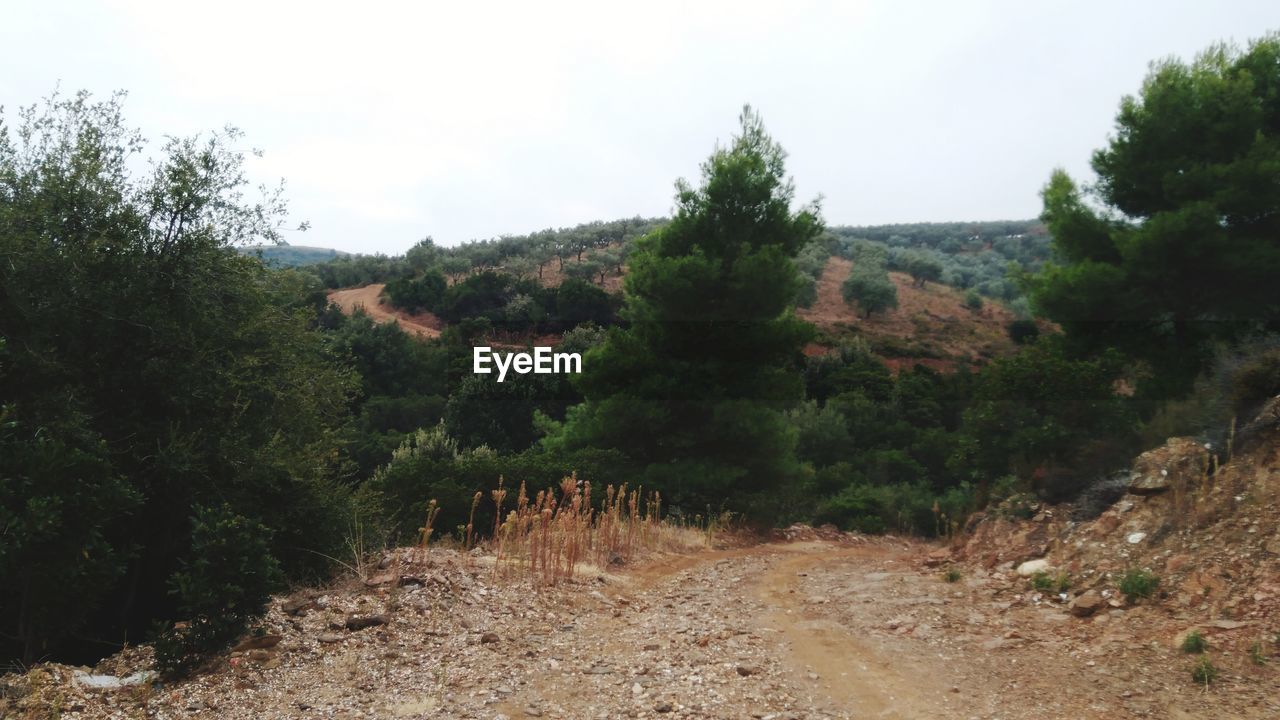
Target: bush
{"type": "Point", "coordinates": [1204, 671]}
{"type": "Point", "coordinates": [1194, 642]}
{"type": "Point", "coordinates": [1139, 583]}
{"type": "Point", "coordinates": [224, 585]}
{"type": "Point", "coordinates": [871, 288]}
{"type": "Point", "coordinates": [973, 300]}
{"type": "Point", "coordinates": [1023, 332]}
{"type": "Point", "coordinates": [423, 293]}
{"type": "Point", "coordinates": [578, 301]}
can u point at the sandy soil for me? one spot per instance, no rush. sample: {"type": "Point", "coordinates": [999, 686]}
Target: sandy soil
{"type": "Point", "coordinates": [369, 299]}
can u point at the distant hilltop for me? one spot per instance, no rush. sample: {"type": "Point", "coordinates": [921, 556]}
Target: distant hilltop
{"type": "Point", "coordinates": [292, 255]}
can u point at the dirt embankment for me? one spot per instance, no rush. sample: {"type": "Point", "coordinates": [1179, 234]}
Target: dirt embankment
{"type": "Point", "coordinates": [369, 299]}
{"type": "Point", "coordinates": [931, 326]}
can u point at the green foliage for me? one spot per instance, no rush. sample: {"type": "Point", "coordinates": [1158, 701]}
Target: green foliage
{"type": "Point", "coordinates": [1038, 411]}
{"type": "Point", "coordinates": [1023, 332]}
{"type": "Point", "coordinates": [1194, 642]}
{"type": "Point", "coordinates": [869, 286]}
{"type": "Point", "coordinates": [1232, 389]}
{"type": "Point", "coordinates": [579, 302]}
{"type": "Point", "coordinates": [920, 265]}
{"type": "Point", "coordinates": [1139, 583]}
{"type": "Point", "coordinates": [431, 465]}
{"type": "Point", "coordinates": [971, 255]}
{"type": "Point", "coordinates": [952, 576]}
{"type": "Point", "coordinates": [694, 389]}
{"type": "Point", "coordinates": [1187, 246]}
{"type": "Point", "coordinates": [150, 368]}
{"type": "Point", "coordinates": [288, 256]}
{"type": "Point", "coordinates": [973, 300]}
{"type": "Point", "coordinates": [224, 584]}
{"type": "Point", "coordinates": [421, 293]}
{"type": "Point", "coordinates": [1204, 671]}
{"type": "Point", "coordinates": [1257, 654]}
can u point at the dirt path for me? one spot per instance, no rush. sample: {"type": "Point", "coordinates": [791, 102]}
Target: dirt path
{"type": "Point", "coordinates": [781, 631]}
{"type": "Point", "coordinates": [368, 298]}
{"type": "Point", "coordinates": [822, 630]}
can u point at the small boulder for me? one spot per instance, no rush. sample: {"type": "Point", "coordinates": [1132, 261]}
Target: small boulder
{"type": "Point", "coordinates": [1031, 567]}
{"type": "Point", "coordinates": [360, 622]}
{"type": "Point", "coordinates": [1086, 604]}
{"type": "Point", "coordinates": [1180, 462]}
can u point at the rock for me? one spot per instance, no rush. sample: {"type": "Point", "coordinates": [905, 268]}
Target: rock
{"type": "Point", "coordinates": [532, 711]}
{"type": "Point", "coordinates": [663, 707]}
{"type": "Point", "coordinates": [1087, 604]}
{"type": "Point", "coordinates": [1180, 462]}
{"type": "Point", "coordinates": [298, 605]}
{"type": "Point", "coordinates": [259, 655]}
{"type": "Point", "coordinates": [380, 579]}
{"type": "Point", "coordinates": [745, 670]}
{"type": "Point", "coordinates": [258, 642]}
{"type": "Point", "coordinates": [111, 682]}
{"type": "Point", "coordinates": [360, 622]}
{"type": "Point", "coordinates": [329, 637]}
{"type": "Point", "coordinates": [1031, 567]}
{"type": "Point", "coordinates": [1135, 538]}
{"type": "Point", "coordinates": [489, 638]}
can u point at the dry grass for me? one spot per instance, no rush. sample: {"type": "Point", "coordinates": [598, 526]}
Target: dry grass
{"type": "Point", "coordinates": [548, 537]}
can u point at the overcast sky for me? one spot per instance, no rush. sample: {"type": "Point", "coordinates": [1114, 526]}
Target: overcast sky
{"type": "Point", "coordinates": [391, 121]}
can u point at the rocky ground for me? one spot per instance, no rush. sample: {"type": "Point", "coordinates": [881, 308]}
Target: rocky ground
{"type": "Point", "coordinates": [821, 626]}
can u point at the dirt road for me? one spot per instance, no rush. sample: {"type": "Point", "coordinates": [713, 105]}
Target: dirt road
{"type": "Point", "coordinates": [852, 629]}
{"type": "Point", "coordinates": [368, 298]}
{"type": "Point", "coordinates": [820, 630]}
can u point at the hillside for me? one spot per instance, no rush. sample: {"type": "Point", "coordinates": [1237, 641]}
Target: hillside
{"type": "Point", "coordinates": [930, 326]}
{"type": "Point", "coordinates": [810, 623]}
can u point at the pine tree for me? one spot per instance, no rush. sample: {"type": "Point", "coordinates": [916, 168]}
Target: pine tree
{"type": "Point", "coordinates": [693, 390]}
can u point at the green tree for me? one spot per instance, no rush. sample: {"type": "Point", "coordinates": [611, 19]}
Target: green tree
{"type": "Point", "coordinates": [694, 390]}
{"type": "Point", "coordinates": [1180, 244]}
{"type": "Point", "coordinates": [1046, 418]}
{"type": "Point", "coordinates": [870, 287]}
{"type": "Point", "coordinates": [150, 368]}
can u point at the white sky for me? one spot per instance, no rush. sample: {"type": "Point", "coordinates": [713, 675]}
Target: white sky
{"type": "Point", "coordinates": [391, 121]}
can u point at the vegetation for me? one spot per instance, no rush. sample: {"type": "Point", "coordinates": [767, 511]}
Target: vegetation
{"type": "Point", "coordinates": [870, 288]}
{"type": "Point", "coordinates": [1138, 583]}
{"type": "Point", "coordinates": [1194, 642]}
{"type": "Point", "coordinates": [1184, 248]}
{"type": "Point", "coordinates": [185, 424]}
{"type": "Point", "coordinates": [1204, 671]}
{"type": "Point", "coordinates": [148, 369]}
{"type": "Point", "coordinates": [693, 391]}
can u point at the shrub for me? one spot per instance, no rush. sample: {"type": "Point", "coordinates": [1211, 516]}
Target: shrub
{"type": "Point", "coordinates": [1139, 583]}
{"type": "Point", "coordinates": [870, 287]}
{"type": "Point", "coordinates": [1204, 671]}
{"type": "Point", "coordinates": [1257, 654]}
{"type": "Point", "coordinates": [1023, 332]}
{"type": "Point", "coordinates": [424, 293]}
{"type": "Point", "coordinates": [953, 575]}
{"type": "Point", "coordinates": [973, 300]}
{"type": "Point", "coordinates": [1194, 642]}
{"type": "Point", "coordinates": [225, 584]}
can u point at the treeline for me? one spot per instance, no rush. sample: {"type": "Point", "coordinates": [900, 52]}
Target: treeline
{"type": "Point", "coordinates": [590, 251]}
